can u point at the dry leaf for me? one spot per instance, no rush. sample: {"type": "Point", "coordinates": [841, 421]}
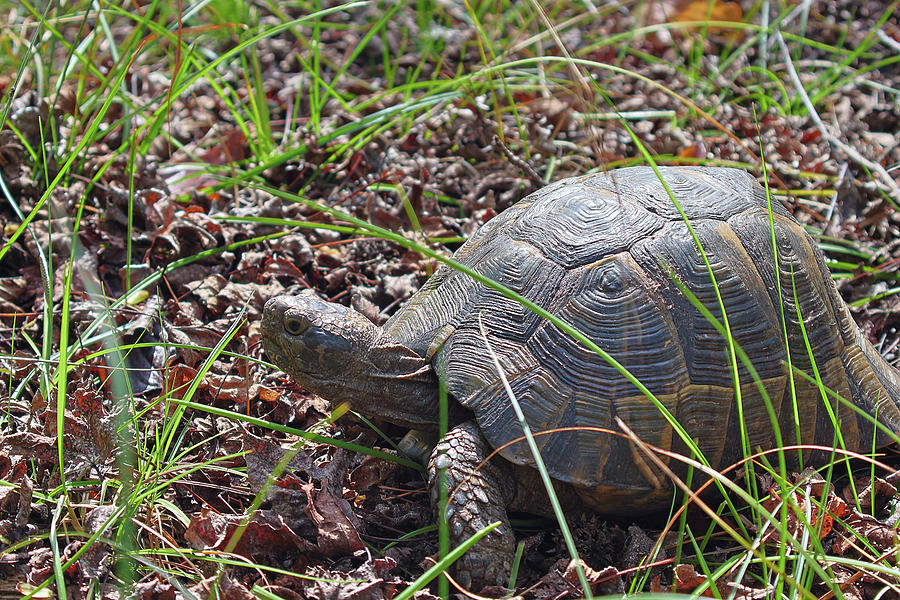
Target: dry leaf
{"type": "Point", "coordinates": [704, 12]}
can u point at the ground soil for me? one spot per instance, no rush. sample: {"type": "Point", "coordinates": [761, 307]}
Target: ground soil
{"type": "Point", "coordinates": [329, 514]}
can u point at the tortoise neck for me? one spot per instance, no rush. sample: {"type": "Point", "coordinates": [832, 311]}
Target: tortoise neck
{"type": "Point", "coordinates": [397, 386]}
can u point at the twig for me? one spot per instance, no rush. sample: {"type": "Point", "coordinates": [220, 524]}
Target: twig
{"type": "Point", "coordinates": [844, 172]}
{"type": "Point", "coordinates": [524, 166]}
{"type": "Point", "coordinates": [849, 151]}
{"type": "Point", "coordinates": [888, 40]}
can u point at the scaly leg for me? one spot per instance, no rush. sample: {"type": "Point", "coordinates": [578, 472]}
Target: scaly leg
{"type": "Point", "coordinates": [476, 498]}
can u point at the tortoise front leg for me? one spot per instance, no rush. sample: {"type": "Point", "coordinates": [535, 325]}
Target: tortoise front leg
{"type": "Point", "coordinates": [476, 497]}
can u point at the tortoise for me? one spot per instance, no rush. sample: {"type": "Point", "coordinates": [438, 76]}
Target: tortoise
{"type": "Point", "coordinates": [609, 254]}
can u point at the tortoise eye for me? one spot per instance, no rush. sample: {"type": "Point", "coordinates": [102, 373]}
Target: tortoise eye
{"type": "Point", "coordinates": [295, 325]}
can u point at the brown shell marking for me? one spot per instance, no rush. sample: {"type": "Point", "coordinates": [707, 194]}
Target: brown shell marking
{"type": "Point", "coordinates": [599, 253]}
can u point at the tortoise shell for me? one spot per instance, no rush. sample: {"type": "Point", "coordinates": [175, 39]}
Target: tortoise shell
{"type": "Point", "coordinates": [609, 254]}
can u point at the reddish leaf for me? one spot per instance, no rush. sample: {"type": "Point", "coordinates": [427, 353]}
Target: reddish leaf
{"type": "Point", "coordinates": [331, 515]}
{"type": "Point", "coordinates": [705, 11]}
{"type": "Point", "coordinates": [687, 579]}
{"type": "Point", "coordinates": [266, 535]}
{"type": "Point", "coordinates": [179, 380]}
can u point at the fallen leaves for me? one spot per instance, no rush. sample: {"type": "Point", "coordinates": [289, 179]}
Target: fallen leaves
{"type": "Point", "coordinates": [688, 580]}
{"type": "Point", "coordinates": [704, 11]}
{"type": "Point", "coordinates": [335, 522]}
{"type": "Point", "coordinates": [370, 581]}
{"type": "Point", "coordinates": [808, 509]}
{"type": "Point", "coordinates": [143, 215]}
{"type": "Point", "coordinates": [562, 581]}
{"type": "Point", "coordinates": [264, 537]}
{"type": "Point", "coordinates": [307, 491]}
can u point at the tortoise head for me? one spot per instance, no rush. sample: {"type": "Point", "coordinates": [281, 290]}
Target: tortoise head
{"type": "Point", "coordinates": [313, 340]}
{"type": "Point", "coordinates": [335, 352]}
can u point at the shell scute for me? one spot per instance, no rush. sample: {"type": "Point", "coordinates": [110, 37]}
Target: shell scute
{"type": "Point", "coordinates": [616, 307]}
{"type": "Point", "coordinates": [573, 227]}
{"type": "Point", "coordinates": [610, 255]}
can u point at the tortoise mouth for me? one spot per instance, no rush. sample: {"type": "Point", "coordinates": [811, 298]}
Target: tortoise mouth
{"type": "Point", "coordinates": [273, 351]}
{"type": "Point", "coordinates": [280, 357]}
{"type": "Point", "coordinates": [275, 341]}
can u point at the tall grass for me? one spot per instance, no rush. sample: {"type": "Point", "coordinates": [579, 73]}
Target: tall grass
{"type": "Point", "coordinates": [112, 83]}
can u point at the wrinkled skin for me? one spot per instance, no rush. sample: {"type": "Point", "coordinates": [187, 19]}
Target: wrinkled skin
{"type": "Point", "coordinates": [337, 353]}
{"type": "Point", "coordinates": [340, 355]}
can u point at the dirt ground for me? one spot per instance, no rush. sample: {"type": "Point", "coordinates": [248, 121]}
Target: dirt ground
{"type": "Point", "coordinates": [179, 211]}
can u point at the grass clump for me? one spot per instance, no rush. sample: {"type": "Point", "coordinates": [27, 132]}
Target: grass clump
{"type": "Point", "coordinates": [167, 167]}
